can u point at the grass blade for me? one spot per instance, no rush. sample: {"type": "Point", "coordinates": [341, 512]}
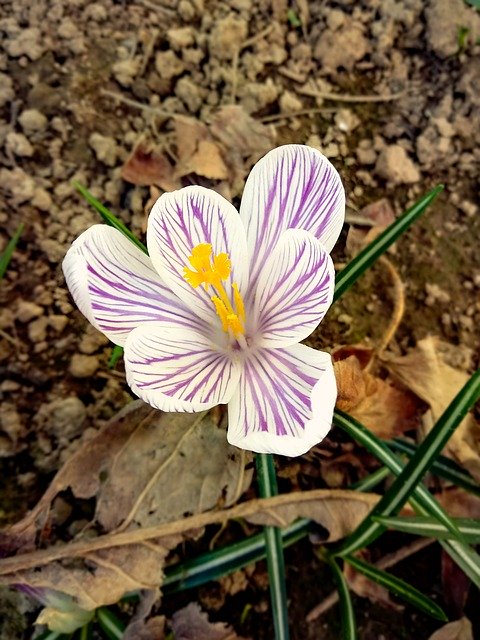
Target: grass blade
{"type": "Point", "coordinates": [220, 562]}
{"type": "Point", "coordinates": [108, 216]}
{"type": "Point", "coordinates": [399, 587]}
{"type": "Point", "coordinates": [422, 501]}
{"type": "Point", "coordinates": [431, 528]}
{"type": "Point", "coordinates": [401, 489]}
{"type": "Point", "coordinates": [267, 483]}
{"type": "Point", "coordinates": [347, 614]}
{"type": "Point", "coordinates": [111, 626]}
{"type": "Point", "coordinates": [442, 467]}
{"type": "Point", "coordinates": [7, 254]}
{"type": "Point", "coordinates": [117, 353]}
{"type": "Point", "coordinates": [367, 257]}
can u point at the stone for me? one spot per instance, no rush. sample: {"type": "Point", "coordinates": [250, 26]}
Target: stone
{"type": "Point", "coordinates": [63, 418]}
{"type": "Point", "coordinates": [168, 65]}
{"type": "Point", "coordinates": [26, 43]}
{"type": "Point", "coordinates": [444, 20]}
{"type": "Point", "coordinates": [393, 164]}
{"type": "Point", "coordinates": [92, 340]}
{"type": "Point", "coordinates": [58, 322]}
{"type": "Point", "coordinates": [341, 48]}
{"type": "Point", "coordinates": [181, 38]}
{"type": "Point", "coordinates": [32, 120]}
{"type": "Point", "coordinates": [105, 148]}
{"type": "Point", "coordinates": [290, 102]}
{"type": "Point", "coordinates": [6, 89]}
{"type": "Point", "coordinates": [37, 329]}
{"type": "Point", "coordinates": [18, 144]}
{"type": "Point", "coordinates": [27, 311]}
{"type": "Point", "coordinates": [227, 37]}
{"type": "Point", "coordinates": [189, 93]}
{"type": "Point", "coordinates": [82, 366]}
{"type": "Point", "coordinates": [124, 71]}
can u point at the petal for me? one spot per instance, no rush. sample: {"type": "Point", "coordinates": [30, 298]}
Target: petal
{"type": "Point", "coordinates": [116, 287]}
{"type": "Point", "coordinates": [295, 187]}
{"type": "Point", "coordinates": [178, 369]}
{"type": "Point", "coordinates": [294, 291]}
{"type": "Point", "coordinates": [284, 401]}
{"type": "Point", "coordinates": [180, 221]}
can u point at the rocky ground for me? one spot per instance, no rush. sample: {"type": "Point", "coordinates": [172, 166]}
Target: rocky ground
{"type": "Point", "coordinates": [132, 98]}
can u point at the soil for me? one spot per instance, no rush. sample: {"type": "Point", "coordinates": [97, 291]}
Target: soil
{"type": "Point", "coordinates": [83, 83]}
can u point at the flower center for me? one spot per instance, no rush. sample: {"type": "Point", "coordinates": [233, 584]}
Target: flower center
{"type": "Point", "coordinates": [211, 272]}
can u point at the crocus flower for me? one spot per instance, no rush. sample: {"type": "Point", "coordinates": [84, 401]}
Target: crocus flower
{"type": "Point", "coordinates": [216, 312]}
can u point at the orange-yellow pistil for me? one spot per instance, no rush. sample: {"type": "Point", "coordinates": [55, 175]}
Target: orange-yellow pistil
{"type": "Point", "coordinates": [211, 273]}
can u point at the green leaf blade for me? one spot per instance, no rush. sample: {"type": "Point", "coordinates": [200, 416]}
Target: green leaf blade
{"type": "Point", "coordinates": [399, 587]}
{"type": "Point", "coordinates": [347, 613]}
{"type": "Point", "coordinates": [9, 249]}
{"type": "Point", "coordinates": [108, 216]}
{"type": "Point", "coordinates": [431, 528]}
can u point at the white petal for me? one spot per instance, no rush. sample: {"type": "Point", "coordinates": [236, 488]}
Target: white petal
{"type": "Point", "coordinates": [294, 290]}
{"type": "Point", "coordinates": [178, 369]}
{"type": "Point", "coordinates": [183, 219]}
{"type": "Point", "coordinates": [292, 187]}
{"type": "Point", "coordinates": [116, 287]}
{"type": "Point", "coordinates": [284, 401]}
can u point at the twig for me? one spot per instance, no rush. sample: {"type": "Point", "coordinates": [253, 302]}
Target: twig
{"type": "Point", "coordinates": [399, 304]}
{"type": "Point", "coordinates": [139, 535]}
{"type": "Point", "coordinates": [294, 114]}
{"type": "Point", "coordinates": [138, 105]}
{"type": "Point", "coordinates": [387, 561]}
{"type": "Point", "coordinates": [347, 97]}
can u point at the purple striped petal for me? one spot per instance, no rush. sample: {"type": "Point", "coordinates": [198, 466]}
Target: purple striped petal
{"type": "Point", "coordinates": [116, 287]}
{"type": "Point", "coordinates": [178, 369]}
{"type": "Point", "coordinates": [284, 402]}
{"type": "Point", "coordinates": [294, 291]}
{"type": "Point", "coordinates": [295, 187]}
{"type": "Point", "coordinates": [183, 219]}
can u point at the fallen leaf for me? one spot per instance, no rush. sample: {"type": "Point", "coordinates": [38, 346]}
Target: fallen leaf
{"type": "Point", "coordinates": [147, 166]}
{"type": "Point", "coordinates": [455, 585]}
{"type": "Point", "coordinates": [378, 216]}
{"type": "Point", "coordinates": [141, 627]}
{"type": "Point", "coordinates": [191, 623]}
{"type": "Point", "coordinates": [457, 630]}
{"type": "Point", "coordinates": [384, 409]}
{"type": "Point", "coordinates": [143, 468]}
{"type": "Point", "coordinates": [426, 372]}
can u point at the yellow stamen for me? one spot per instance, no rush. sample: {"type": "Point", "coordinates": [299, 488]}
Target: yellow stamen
{"type": "Point", "coordinates": [211, 273]}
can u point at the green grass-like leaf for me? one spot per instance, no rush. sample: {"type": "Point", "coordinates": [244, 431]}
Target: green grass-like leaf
{"type": "Point", "coordinates": [347, 613]}
{"type": "Point", "coordinates": [421, 500]}
{"type": "Point", "coordinates": [442, 467]}
{"type": "Point", "coordinates": [117, 353]}
{"type": "Point", "coordinates": [108, 216]}
{"type": "Point", "coordinates": [111, 626]}
{"type": "Point", "coordinates": [7, 254]}
{"type": "Point", "coordinates": [370, 254]}
{"type": "Point", "coordinates": [429, 527]}
{"type": "Point", "coordinates": [399, 587]}
{"type": "Point", "coordinates": [401, 489]}
{"type": "Point", "coordinates": [267, 485]}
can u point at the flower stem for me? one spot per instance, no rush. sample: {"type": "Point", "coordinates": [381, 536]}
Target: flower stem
{"type": "Point", "coordinates": [267, 485]}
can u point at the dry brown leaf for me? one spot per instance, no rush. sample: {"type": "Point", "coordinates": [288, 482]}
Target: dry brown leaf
{"type": "Point", "coordinates": [457, 630]}
{"type": "Point", "coordinates": [141, 627]}
{"type": "Point", "coordinates": [384, 409]}
{"type": "Point", "coordinates": [379, 215]}
{"type": "Point", "coordinates": [147, 166]}
{"type": "Point", "coordinates": [191, 623]}
{"type": "Point", "coordinates": [197, 152]}
{"type": "Point", "coordinates": [426, 371]}
{"type": "Point", "coordinates": [143, 468]}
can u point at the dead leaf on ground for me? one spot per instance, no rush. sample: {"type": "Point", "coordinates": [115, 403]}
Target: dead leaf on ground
{"type": "Point", "coordinates": [197, 152]}
{"type": "Point", "coordinates": [191, 623]}
{"type": "Point", "coordinates": [427, 372]}
{"type": "Point", "coordinates": [383, 408]}
{"type": "Point", "coordinates": [379, 215]}
{"type": "Point", "coordinates": [141, 627]}
{"type": "Point", "coordinates": [143, 468]}
{"type": "Point", "coordinates": [99, 570]}
{"type": "Point", "coordinates": [457, 630]}
{"type": "Point", "coordinates": [148, 166]}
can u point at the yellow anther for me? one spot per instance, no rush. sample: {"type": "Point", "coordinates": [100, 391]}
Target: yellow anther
{"type": "Point", "coordinates": [238, 302]}
{"type": "Point", "coordinates": [222, 312]}
{"type": "Point", "coordinates": [211, 273]}
{"type": "Point", "coordinates": [235, 325]}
